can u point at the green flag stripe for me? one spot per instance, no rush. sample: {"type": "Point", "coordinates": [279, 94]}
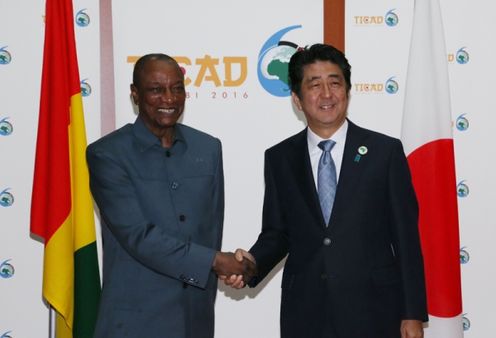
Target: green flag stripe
{"type": "Point", "coordinates": [86, 291]}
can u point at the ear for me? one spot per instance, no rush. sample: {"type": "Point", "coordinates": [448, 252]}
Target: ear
{"type": "Point", "coordinates": [296, 101]}
{"type": "Point", "coordinates": [134, 94]}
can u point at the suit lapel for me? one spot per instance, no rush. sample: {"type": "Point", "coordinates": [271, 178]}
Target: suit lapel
{"type": "Point", "coordinates": [350, 173]}
{"type": "Point", "coordinates": [299, 161]}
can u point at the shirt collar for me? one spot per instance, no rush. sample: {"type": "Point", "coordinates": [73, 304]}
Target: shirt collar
{"type": "Point", "coordinates": [339, 136]}
{"type": "Point", "coordinates": [147, 139]}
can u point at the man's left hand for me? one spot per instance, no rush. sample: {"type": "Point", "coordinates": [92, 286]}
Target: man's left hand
{"type": "Point", "coordinates": [411, 328]}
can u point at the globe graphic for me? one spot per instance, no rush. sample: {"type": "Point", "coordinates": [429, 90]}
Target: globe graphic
{"type": "Point", "coordinates": [5, 57]}
{"type": "Point", "coordinates": [274, 65]}
{"type": "Point", "coordinates": [5, 128]}
{"type": "Point", "coordinates": [462, 57]}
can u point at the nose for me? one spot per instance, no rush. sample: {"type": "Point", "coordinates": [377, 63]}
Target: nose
{"type": "Point", "coordinates": [168, 96]}
{"type": "Point", "coordinates": [327, 90]}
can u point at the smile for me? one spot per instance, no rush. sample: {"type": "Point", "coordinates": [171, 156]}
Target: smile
{"type": "Point", "coordinates": [327, 106]}
{"type": "Point", "coordinates": [167, 111]}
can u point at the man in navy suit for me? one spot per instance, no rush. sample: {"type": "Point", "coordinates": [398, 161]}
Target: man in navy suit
{"type": "Point", "coordinates": [159, 188]}
{"type": "Point", "coordinates": [359, 273]}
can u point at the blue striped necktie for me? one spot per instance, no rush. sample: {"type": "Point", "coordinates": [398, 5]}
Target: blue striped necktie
{"type": "Point", "coordinates": [326, 181]}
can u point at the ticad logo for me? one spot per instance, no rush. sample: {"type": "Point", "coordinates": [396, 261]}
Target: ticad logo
{"type": "Point", "coordinates": [390, 19]}
{"type": "Point", "coordinates": [273, 60]}
{"type": "Point", "coordinates": [82, 19]}
{"type": "Point", "coordinates": [369, 87]}
{"type": "Point", "coordinates": [465, 322]}
{"type": "Point", "coordinates": [461, 56]}
{"type": "Point", "coordinates": [462, 189]}
{"type": "Point", "coordinates": [5, 57]}
{"type": "Point", "coordinates": [464, 255]}
{"type": "Point", "coordinates": [390, 86]}
{"type": "Point", "coordinates": [6, 335]}
{"type": "Point", "coordinates": [6, 269]}
{"type": "Point", "coordinates": [462, 123]}
{"type": "Point", "coordinates": [6, 198]}
{"type": "Point", "coordinates": [85, 88]}
{"type": "Point", "coordinates": [219, 78]}
{"type": "Point", "coordinates": [208, 70]}
{"type": "Point", "coordinates": [6, 127]}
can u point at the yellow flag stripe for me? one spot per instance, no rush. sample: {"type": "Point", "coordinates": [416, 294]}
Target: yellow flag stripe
{"type": "Point", "coordinates": [82, 204]}
{"type": "Point", "coordinates": [58, 274]}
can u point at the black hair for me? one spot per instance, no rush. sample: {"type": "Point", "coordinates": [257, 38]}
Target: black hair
{"type": "Point", "coordinates": [309, 55]}
{"type": "Point", "coordinates": [142, 61]}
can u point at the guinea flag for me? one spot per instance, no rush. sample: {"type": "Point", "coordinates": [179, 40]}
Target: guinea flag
{"type": "Point", "coordinates": [61, 205]}
{"type": "Point", "coordinates": [428, 142]}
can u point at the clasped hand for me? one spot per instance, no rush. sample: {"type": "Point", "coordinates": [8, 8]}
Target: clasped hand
{"type": "Point", "coordinates": [235, 269]}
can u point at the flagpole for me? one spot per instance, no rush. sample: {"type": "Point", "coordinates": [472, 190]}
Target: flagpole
{"type": "Point", "coordinates": [51, 322]}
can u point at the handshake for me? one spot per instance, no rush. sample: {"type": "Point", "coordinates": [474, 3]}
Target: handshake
{"type": "Point", "coordinates": [235, 269]}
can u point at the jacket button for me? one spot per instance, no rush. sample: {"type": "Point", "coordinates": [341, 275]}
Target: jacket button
{"type": "Point", "coordinates": [174, 185]}
{"type": "Point", "coordinates": [167, 153]}
{"type": "Point", "coordinates": [182, 218]}
{"type": "Point", "coordinates": [327, 241]}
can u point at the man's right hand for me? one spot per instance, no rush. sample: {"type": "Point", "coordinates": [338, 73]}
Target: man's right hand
{"type": "Point", "coordinates": [229, 264]}
{"type": "Point", "coordinates": [238, 281]}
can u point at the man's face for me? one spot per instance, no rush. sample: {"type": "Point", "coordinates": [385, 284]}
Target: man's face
{"type": "Point", "coordinates": [323, 97]}
{"type": "Point", "coordinates": [160, 95]}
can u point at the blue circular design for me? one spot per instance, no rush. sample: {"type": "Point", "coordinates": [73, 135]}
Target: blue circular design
{"type": "Point", "coordinates": [464, 256]}
{"type": "Point", "coordinates": [462, 56]}
{"type": "Point", "coordinates": [85, 88]}
{"type": "Point", "coordinates": [6, 335]}
{"type": "Point", "coordinates": [6, 269]}
{"type": "Point", "coordinates": [82, 19]}
{"type": "Point", "coordinates": [391, 18]}
{"type": "Point", "coordinates": [6, 127]}
{"type": "Point", "coordinates": [6, 198]}
{"type": "Point", "coordinates": [462, 123]}
{"type": "Point", "coordinates": [462, 189]}
{"type": "Point", "coordinates": [273, 60]}
{"type": "Point", "coordinates": [466, 323]}
{"type": "Point", "coordinates": [5, 57]}
{"type": "Point", "coordinates": [391, 86]}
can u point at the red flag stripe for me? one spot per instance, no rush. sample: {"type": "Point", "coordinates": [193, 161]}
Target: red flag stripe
{"type": "Point", "coordinates": [435, 185]}
{"type": "Point", "coordinates": [60, 81]}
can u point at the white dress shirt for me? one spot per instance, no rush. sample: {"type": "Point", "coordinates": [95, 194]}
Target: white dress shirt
{"type": "Point", "coordinates": [337, 151]}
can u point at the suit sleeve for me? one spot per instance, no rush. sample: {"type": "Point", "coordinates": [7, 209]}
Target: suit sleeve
{"type": "Point", "coordinates": [155, 248]}
{"type": "Point", "coordinates": [406, 241]}
{"type": "Point", "coordinates": [218, 198]}
{"type": "Point", "coordinates": [272, 244]}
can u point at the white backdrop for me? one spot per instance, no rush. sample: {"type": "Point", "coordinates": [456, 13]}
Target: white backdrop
{"type": "Point", "coordinates": [248, 120]}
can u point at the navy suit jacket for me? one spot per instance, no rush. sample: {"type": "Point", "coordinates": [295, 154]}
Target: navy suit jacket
{"type": "Point", "coordinates": [162, 214]}
{"type": "Point", "coordinates": [361, 275]}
